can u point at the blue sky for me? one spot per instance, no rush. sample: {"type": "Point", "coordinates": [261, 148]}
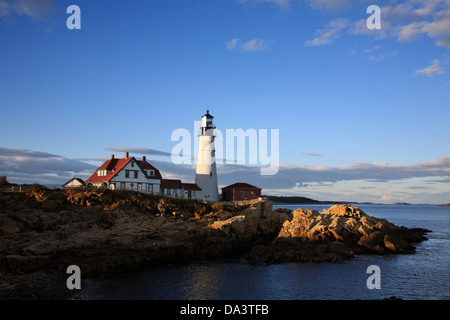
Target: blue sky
{"type": "Point", "coordinates": [363, 114]}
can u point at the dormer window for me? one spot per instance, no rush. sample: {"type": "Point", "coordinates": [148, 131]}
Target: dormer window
{"type": "Point", "coordinates": [102, 173]}
{"type": "Point", "coordinates": [151, 173]}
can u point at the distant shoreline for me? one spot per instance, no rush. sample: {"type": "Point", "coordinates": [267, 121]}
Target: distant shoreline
{"type": "Point", "coordinates": [296, 200]}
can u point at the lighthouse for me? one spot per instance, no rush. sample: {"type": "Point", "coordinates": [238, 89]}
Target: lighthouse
{"type": "Point", "coordinates": [206, 173]}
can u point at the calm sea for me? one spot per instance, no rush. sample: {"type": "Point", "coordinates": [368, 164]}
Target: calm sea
{"type": "Point", "coordinates": [424, 275]}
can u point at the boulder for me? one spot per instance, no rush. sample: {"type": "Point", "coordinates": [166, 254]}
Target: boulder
{"type": "Point", "coordinates": [338, 233]}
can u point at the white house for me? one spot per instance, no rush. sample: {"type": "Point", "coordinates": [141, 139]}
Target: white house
{"type": "Point", "coordinates": [139, 175]}
{"type": "Point", "coordinates": [127, 173]}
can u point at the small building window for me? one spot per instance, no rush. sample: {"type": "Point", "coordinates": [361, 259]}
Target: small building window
{"type": "Point", "coordinates": [132, 163]}
{"type": "Point", "coordinates": [127, 173]}
{"type": "Point", "coordinates": [136, 174]}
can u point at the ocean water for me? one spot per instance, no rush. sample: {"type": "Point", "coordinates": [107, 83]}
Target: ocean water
{"type": "Point", "coordinates": [421, 276]}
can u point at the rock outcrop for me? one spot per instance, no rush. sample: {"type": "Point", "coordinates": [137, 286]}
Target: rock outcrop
{"type": "Point", "coordinates": [334, 234]}
{"type": "Point", "coordinates": [43, 232]}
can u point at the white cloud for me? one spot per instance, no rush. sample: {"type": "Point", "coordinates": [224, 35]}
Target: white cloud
{"type": "Point", "coordinates": [380, 56]}
{"type": "Point", "coordinates": [386, 197]}
{"type": "Point", "coordinates": [406, 21]}
{"type": "Point", "coordinates": [35, 9]}
{"type": "Point", "coordinates": [440, 30]}
{"type": "Point", "coordinates": [280, 3]}
{"type": "Point", "coordinates": [312, 154]}
{"type": "Point", "coordinates": [250, 45]}
{"type": "Point", "coordinates": [419, 17]}
{"type": "Point", "coordinates": [256, 45]}
{"type": "Point", "coordinates": [4, 8]}
{"type": "Point", "coordinates": [433, 69]}
{"type": "Point", "coordinates": [232, 44]}
{"type": "Point", "coordinates": [328, 34]}
{"type": "Point", "coordinates": [140, 151]}
{"type": "Point", "coordinates": [329, 4]}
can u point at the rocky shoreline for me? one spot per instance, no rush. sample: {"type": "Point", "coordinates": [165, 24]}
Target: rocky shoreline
{"type": "Point", "coordinates": [42, 232]}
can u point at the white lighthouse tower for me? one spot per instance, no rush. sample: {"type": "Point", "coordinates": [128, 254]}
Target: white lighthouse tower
{"type": "Point", "coordinates": [206, 174]}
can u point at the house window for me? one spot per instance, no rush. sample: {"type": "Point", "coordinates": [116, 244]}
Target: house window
{"type": "Point", "coordinates": [139, 186]}
{"type": "Point", "coordinates": [150, 188]}
{"type": "Point", "coordinates": [127, 173]}
{"type": "Point", "coordinates": [241, 193]}
{"type": "Point", "coordinates": [101, 173]}
{"type": "Point", "coordinates": [122, 185]}
{"type": "Point", "coordinates": [152, 173]}
{"type": "Point", "coordinates": [132, 163]}
{"type": "Point", "coordinates": [135, 174]}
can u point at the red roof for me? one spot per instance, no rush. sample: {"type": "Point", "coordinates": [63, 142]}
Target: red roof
{"type": "Point", "coordinates": [114, 165]}
{"type": "Point", "coordinates": [171, 184]}
{"type": "Point", "coordinates": [147, 166]}
{"type": "Point", "coordinates": [190, 186]}
{"type": "Point", "coordinates": [241, 185]}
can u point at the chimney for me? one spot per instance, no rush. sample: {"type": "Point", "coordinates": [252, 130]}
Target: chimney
{"type": "Point", "coordinates": [112, 156]}
{"type": "Point", "coordinates": [126, 155]}
{"type": "Point", "coordinates": [143, 158]}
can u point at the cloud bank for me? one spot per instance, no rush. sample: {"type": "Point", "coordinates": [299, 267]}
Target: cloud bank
{"type": "Point", "coordinates": [28, 166]}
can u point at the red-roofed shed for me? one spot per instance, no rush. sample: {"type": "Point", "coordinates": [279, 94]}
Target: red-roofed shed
{"type": "Point", "coordinates": [240, 191]}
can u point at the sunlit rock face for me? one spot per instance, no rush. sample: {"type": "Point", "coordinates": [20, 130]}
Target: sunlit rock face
{"type": "Point", "coordinates": [334, 234]}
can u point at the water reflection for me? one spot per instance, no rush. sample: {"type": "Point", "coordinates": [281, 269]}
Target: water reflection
{"type": "Point", "coordinates": [202, 282]}
{"type": "Point", "coordinates": [424, 275]}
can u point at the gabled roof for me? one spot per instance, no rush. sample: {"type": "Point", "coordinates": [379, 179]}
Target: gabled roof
{"type": "Point", "coordinates": [241, 185]}
{"type": "Point", "coordinates": [114, 165]}
{"type": "Point", "coordinates": [147, 166]}
{"type": "Point", "coordinates": [190, 186]}
{"type": "Point", "coordinates": [77, 179]}
{"type": "Point", "coordinates": [171, 184]}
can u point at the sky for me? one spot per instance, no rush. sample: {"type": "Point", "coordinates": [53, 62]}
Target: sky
{"type": "Point", "coordinates": [362, 114]}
